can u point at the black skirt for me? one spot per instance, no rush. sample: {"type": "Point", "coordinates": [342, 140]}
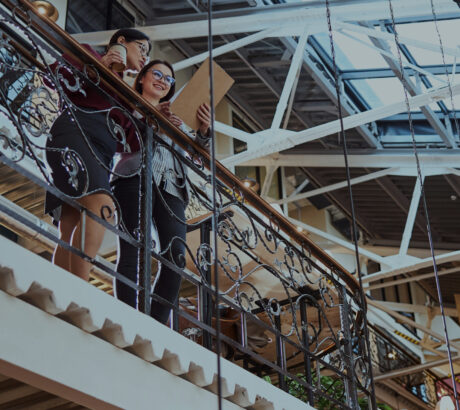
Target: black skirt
{"type": "Point", "coordinates": [80, 163]}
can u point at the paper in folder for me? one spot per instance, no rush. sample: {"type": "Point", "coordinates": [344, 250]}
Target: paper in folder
{"type": "Point", "coordinates": [196, 92]}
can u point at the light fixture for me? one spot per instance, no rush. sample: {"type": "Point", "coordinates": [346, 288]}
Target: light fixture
{"type": "Point", "coordinates": [45, 8]}
{"type": "Point", "coordinates": [392, 355]}
{"type": "Point", "coordinates": [251, 183]}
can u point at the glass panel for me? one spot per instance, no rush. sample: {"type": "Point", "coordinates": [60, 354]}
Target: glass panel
{"type": "Point", "coordinates": [380, 91]}
{"type": "Point", "coordinates": [454, 80]}
{"type": "Point", "coordinates": [426, 31]}
{"type": "Point", "coordinates": [358, 52]}
{"type": "Point", "coordinates": [351, 54]}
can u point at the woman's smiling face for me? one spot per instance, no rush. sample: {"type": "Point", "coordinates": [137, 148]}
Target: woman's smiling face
{"type": "Point", "coordinates": [154, 88]}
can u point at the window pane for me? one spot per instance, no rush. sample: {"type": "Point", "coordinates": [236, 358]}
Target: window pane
{"type": "Point", "coordinates": [426, 31]}
{"type": "Point", "coordinates": [351, 54]}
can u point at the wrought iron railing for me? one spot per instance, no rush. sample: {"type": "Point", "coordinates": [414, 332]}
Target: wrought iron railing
{"type": "Point", "coordinates": [388, 356]}
{"type": "Point", "coordinates": [285, 308]}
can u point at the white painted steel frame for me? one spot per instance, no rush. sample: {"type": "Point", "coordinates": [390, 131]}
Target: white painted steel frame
{"type": "Point", "coordinates": [365, 10]}
{"type": "Point", "coordinates": [263, 147]}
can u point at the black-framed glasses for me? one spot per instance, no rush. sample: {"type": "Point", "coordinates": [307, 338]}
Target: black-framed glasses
{"type": "Point", "coordinates": [158, 75]}
{"type": "Point", "coordinates": [144, 49]}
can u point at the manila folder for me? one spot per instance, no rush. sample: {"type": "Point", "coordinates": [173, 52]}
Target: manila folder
{"type": "Point", "coordinates": [196, 92]}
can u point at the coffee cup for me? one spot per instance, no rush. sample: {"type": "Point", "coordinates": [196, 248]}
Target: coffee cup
{"type": "Point", "coordinates": [119, 67]}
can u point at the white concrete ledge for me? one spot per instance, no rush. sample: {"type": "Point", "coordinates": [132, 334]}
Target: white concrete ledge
{"type": "Point", "coordinates": [60, 345]}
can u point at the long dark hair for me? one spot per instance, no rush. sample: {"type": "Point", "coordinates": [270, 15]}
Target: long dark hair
{"type": "Point", "coordinates": [141, 75]}
{"type": "Point", "coordinates": [130, 34]}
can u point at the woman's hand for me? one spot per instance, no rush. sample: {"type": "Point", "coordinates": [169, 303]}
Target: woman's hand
{"type": "Point", "coordinates": [165, 109]}
{"type": "Point", "coordinates": [111, 57]}
{"type": "Point", "coordinates": [204, 117]}
{"type": "Point", "coordinates": [175, 120]}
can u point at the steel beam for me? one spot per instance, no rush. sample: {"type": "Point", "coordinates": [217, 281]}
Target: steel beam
{"type": "Point", "coordinates": [414, 278]}
{"type": "Point", "coordinates": [425, 45]}
{"type": "Point", "coordinates": [376, 159]}
{"type": "Point", "coordinates": [411, 215]}
{"type": "Point", "coordinates": [402, 202]}
{"type": "Point", "coordinates": [268, 181]}
{"type": "Point", "coordinates": [290, 79]}
{"type": "Point", "coordinates": [404, 319]}
{"type": "Point", "coordinates": [226, 48]}
{"type": "Point", "coordinates": [389, 73]}
{"type": "Point", "coordinates": [453, 184]}
{"type": "Point", "coordinates": [341, 242]}
{"type": "Point", "coordinates": [310, 65]}
{"type": "Point", "coordinates": [259, 19]}
{"type": "Point", "coordinates": [263, 76]}
{"type": "Point", "coordinates": [411, 308]}
{"type": "Point", "coordinates": [413, 266]}
{"type": "Point", "coordinates": [320, 131]}
{"type": "Point", "coordinates": [413, 90]}
{"type": "Point", "coordinates": [414, 369]}
{"type": "Point", "coordinates": [339, 185]}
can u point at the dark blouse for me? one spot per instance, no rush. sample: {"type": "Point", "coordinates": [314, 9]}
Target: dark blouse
{"type": "Point", "coordinates": [88, 95]}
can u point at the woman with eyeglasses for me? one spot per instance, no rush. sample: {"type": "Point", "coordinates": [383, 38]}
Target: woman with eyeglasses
{"type": "Point", "coordinates": [79, 153]}
{"type": "Point", "coordinates": [156, 83]}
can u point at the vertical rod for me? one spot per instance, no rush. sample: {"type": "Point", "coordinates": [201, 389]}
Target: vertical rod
{"type": "Point", "coordinates": [146, 193]}
{"type": "Point", "coordinates": [82, 230]}
{"type": "Point", "coordinates": [214, 203]}
{"type": "Point", "coordinates": [362, 295]}
{"type": "Point", "coordinates": [306, 345]}
{"type": "Point", "coordinates": [350, 382]}
{"type": "Point", "coordinates": [244, 330]}
{"type": "Point", "coordinates": [280, 354]}
{"type": "Point", "coordinates": [425, 206]}
{"type": "Point", "coordinates": [411, 215]}
{"type": "Point", "coordinates": [205, 297]}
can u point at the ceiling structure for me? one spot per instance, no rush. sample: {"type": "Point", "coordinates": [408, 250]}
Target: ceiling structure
{"type": "Point", "coordinates": [279, 56]}
{"type": "Point", "coordinates": [278, 53]}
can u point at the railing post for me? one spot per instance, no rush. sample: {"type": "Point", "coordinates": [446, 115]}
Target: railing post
{"type": "Point", "coordinates": [306, 345]}
{"type": "Point", "coordinates": [280, 354]}
{"type": "Point", "coordinates": [350, 381]}
{"type": "Point", "coordinates": [146, 192]}
{"type": "Point", "coordinates": [205, 296]}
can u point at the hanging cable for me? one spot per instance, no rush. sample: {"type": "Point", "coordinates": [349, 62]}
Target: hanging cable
{"type": "Point", "coordinates": [215, 212]}
{"type": "Point", "coordinates": [425, 207]}
{"type": "Point", "coordinates": [449, 84]}
{"type": "Point", "coordinates": [350, 195]}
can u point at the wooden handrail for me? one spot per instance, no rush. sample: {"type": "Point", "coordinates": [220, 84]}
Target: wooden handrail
{"type": "Point", "coordinates": [61, 40]}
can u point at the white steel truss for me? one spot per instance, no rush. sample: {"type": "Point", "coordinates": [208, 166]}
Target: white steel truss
{"type": "Point", "coordinates": [351, 17]}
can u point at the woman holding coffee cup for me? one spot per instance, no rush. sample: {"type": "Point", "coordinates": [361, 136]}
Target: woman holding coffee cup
{"type": "Point", "coordinates": [80, 153]}
{"type": "Point", "coordinates": [156, 83]}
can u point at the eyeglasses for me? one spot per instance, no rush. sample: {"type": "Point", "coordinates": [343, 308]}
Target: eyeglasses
{"type": "Point", "coordinates": [158, 75]}
{"type": "Point", "coordinates": [143, 48]}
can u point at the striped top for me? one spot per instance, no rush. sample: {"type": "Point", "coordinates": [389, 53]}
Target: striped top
{"type": "Point", "coordinates": [169, 172]}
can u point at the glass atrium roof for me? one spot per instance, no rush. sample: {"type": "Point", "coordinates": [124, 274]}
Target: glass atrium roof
{"type": "Point", "coordinates": [370, 82]}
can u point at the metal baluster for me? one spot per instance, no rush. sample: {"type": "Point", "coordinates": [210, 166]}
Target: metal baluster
{"type": "Point", "coordinates": [205, 297]}
{"type": "Point", "coordinates": [82, 230]}
{"type": "Point", "coordinates": [146, 193]}
{"type": "Point", "coordinates": [280, 355]}
{"type": "Point", "coordinates": [306, 344]}
{"type": "Point", "coordinates": [346, 342]}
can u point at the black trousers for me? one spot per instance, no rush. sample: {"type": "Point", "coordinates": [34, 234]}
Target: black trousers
{"type": "Point", "coordinates": [126, 191]}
